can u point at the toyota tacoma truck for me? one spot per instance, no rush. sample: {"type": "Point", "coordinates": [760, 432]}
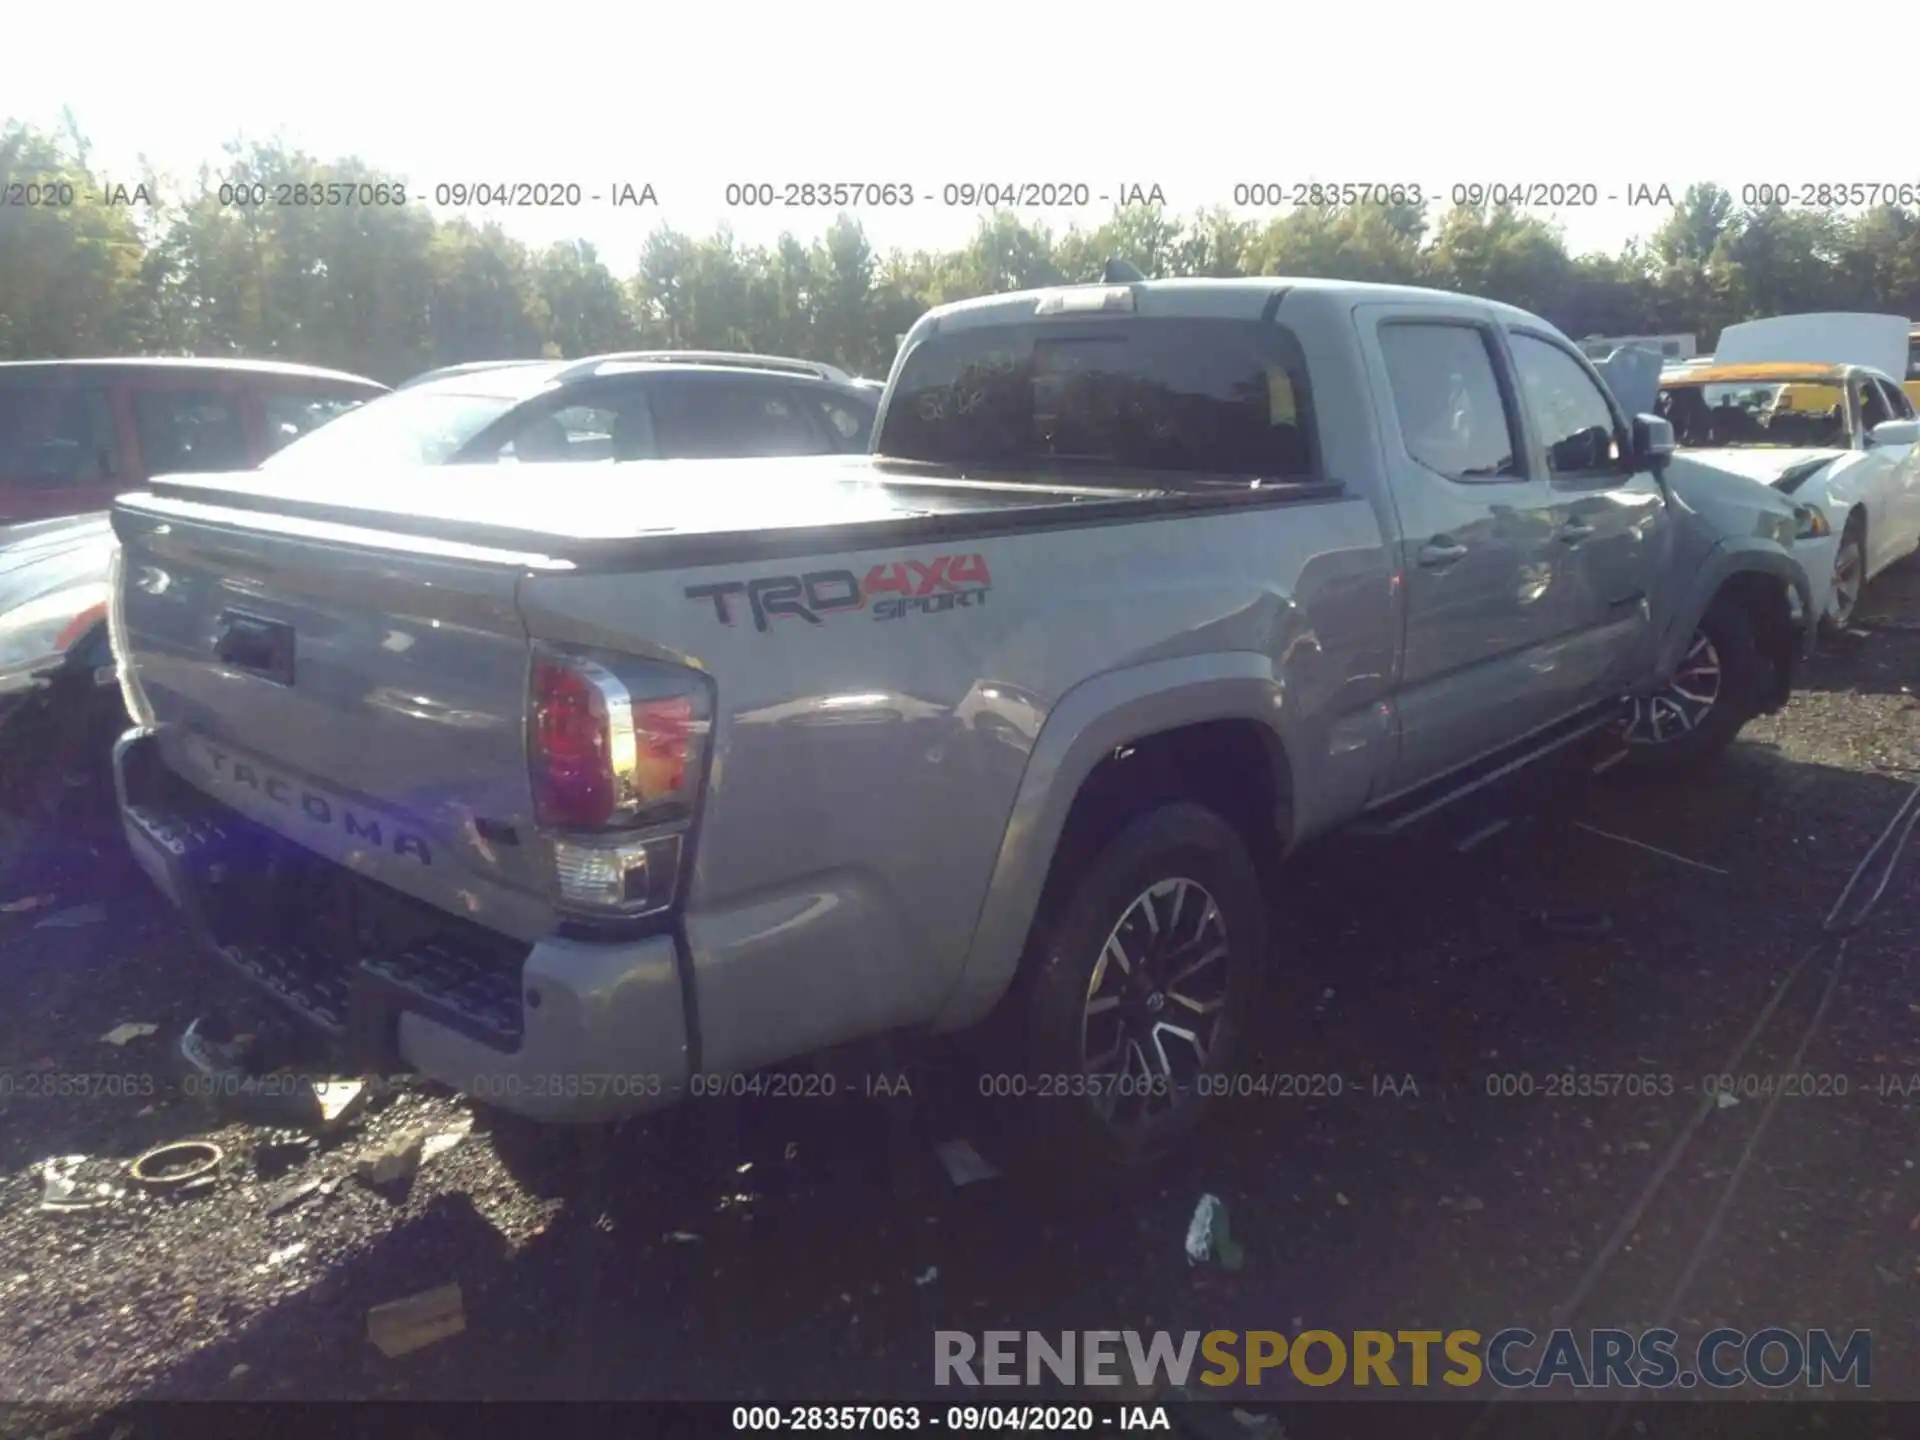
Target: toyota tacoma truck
{"type": "Point", "coordinates": [574, 793]}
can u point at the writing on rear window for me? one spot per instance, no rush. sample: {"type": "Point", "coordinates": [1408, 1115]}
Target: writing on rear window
{"type": "Point", "coordinates": [891, 590]}
{"type": "Point", "coordinates": [1204, 396]}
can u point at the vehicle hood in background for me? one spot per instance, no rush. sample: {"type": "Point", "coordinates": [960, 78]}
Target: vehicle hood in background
{"type": "Point", "coordinates": [1729, 502]}
{"type": "Point", "coordinates": [1632, 372]}
{"type": "Point", "coordinates": [47, 555]}
{"type": "Point", "coordinates": [1764, 464]}
{"type": "Point", "coordinates": [1878, 342]}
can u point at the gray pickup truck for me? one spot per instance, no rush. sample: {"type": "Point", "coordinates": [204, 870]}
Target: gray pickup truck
{"type": "Point", "coordinates": [575, 795]}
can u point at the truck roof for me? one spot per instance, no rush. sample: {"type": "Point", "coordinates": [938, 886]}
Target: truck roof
{"type": "Point", "coordinates": [1201, 298]}
{"type": "Point", "coordinates": [221, 363]}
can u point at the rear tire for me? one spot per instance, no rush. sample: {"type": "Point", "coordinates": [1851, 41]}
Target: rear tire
{"type": "Point", "coordinates": [1721, 684]}
{"type": "Point", "coordinates": [1145, 971]}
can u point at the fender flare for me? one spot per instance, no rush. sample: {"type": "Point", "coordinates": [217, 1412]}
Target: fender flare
{"type": "Point", "coordinates": [1084, 727]}
{"type": "Point", "coordinates": [1749, 555]}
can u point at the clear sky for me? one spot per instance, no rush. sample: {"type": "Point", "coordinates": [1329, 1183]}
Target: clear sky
{"type": "Point", "coordinates": [689, 97]}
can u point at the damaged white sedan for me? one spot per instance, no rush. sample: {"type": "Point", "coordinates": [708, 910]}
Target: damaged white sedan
{"type": "Point", "coordinates": [1791, 402]}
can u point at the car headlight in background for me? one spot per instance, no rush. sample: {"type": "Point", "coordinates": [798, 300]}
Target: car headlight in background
{"type": "Point", "coordinates": [1810, 522]}
{"type": "Point", "coordinates": [35, 636]}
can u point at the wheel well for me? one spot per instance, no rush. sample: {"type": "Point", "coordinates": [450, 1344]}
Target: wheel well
{"type": "Point", "coordinates": [1236, 768]}
{"type": "Point", "coordinates": [1763, 599]}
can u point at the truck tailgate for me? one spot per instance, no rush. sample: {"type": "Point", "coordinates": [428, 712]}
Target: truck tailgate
{"type": "Point", "coordinates": [366, 704]}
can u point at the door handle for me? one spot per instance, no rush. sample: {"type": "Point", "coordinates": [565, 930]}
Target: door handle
{"type": "Point", "coordinates": [1440, 552]}
{"type": "Point", "coordinates": [1573, 532]}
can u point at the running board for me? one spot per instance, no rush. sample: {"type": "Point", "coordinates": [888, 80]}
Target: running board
{"type": "Point", "coordinates": [1400, 812]}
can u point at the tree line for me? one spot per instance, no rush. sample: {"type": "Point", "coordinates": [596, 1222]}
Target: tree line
{"type": "Point", "coordinates": [392, 290]}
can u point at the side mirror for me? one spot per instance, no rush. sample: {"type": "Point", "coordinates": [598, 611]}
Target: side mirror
{"type": "Point", "coordinates": [1894, 432]}
{"type": "Point", "coordinates": [1652, 442]}
{"type": "Point", "coordinates": [1584, 450]}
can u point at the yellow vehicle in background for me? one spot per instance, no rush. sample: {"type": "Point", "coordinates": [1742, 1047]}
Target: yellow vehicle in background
{"type": "Point", "coordinates": [1912, 386]}
{"type": "Point", "coordinates": [1804, 399]}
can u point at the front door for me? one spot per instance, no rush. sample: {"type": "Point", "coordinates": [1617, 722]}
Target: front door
{"type": "Point", "coordinates": [1613, 522]}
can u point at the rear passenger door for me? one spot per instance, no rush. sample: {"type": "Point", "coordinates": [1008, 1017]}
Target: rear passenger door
{"type": "Point", "coordinates": [1611, 517]}
{"type": "Point", "coordinates": [1487, 614]}
{"type": "Point", "coordinates": [724, 416]}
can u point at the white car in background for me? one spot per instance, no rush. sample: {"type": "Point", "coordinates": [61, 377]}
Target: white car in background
{"type": "Point", "coordinates": [1807, 404]}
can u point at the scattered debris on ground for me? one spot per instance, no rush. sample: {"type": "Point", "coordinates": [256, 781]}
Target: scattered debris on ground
{"type": "Point", "coordinates": [294, 1194]}
{"type": "Point", "coordinates": [442, 1141]}
{"type": "Point", "coordinates": [1650, 849]}
{"type": "Point", "coordinates": [62, 1190]}
{"type": "Point", "coordinates": [1575, 924]}
{"type": "Point", "coordinates": [180, 1166]}
{"type": "Point", "coordinates": [281, 1256]}
{"type": "Point", "coordinates": [393, 1160]}
{"type": "Point", "coordinates": [92, 913]}
{"type": "Point", "coordinates": [402, 1326]}
{"type": "Point", "coordinates": [964, 1164]}
{"type": "Point", "coordinates": [133, 1030]}
{"type": "Point", "coordinates": [1210, 1238]}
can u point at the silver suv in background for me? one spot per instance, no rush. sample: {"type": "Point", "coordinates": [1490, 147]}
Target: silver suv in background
{"type": "Point", "coordinates": [640, 405]}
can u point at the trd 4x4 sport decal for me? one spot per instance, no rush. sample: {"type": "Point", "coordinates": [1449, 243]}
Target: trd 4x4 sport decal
{"type": "Point", "coordinates": [892, 590]}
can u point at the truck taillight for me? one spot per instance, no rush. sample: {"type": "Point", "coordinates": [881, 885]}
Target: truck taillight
{"type": "Point", "coordinates": [616, 758]}
{"type": "Point", "coordinates": [572, 747]}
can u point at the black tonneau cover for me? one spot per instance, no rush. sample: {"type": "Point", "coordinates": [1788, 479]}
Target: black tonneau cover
{"type": "Point", "coordinates": [661, 513]}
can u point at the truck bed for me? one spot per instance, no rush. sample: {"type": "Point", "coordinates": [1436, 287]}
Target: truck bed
{"type": "Point", "coordinates": [671, 512]}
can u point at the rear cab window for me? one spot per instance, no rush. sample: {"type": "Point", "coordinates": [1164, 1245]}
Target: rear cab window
{"type": "Point", "coordinates": [54, 434]}
{"type": "Point", "coordinates": [1195, 396]}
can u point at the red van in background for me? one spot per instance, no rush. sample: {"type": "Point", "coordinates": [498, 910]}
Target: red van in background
{"type": "Point", "coordinates": [76, 433]}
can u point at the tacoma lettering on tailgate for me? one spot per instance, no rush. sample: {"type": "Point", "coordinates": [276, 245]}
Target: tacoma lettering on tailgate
{"type": "Point", "coordinates": [891, 590]}
{"type": "Point", "coordinates": [321, 810]}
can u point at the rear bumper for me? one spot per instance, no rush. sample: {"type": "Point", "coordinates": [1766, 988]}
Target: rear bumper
{"type": "Point", "coordinates": [564, 1030]}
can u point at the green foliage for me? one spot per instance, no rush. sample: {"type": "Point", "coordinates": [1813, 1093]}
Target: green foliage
{"type": "Point", "coordinates": [390, 291]}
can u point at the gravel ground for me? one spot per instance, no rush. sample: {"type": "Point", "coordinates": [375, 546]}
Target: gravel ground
{"type": "Point", "coordinates": [806, 1248]}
